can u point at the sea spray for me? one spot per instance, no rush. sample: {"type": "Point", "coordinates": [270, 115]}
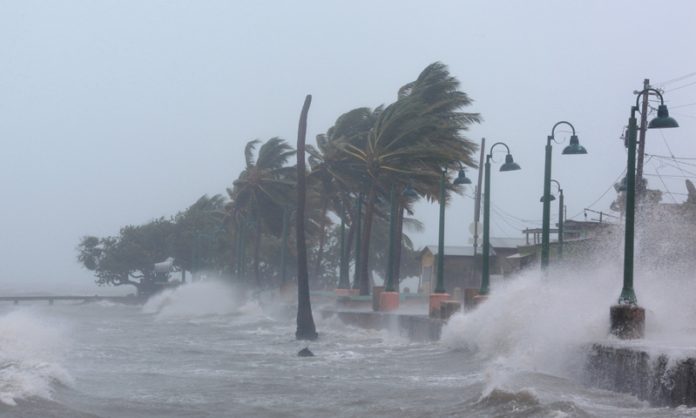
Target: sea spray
{"type": "Point", "coordinates": [31, 353]}
{"type": "Point", "coordinates": [201, 299]}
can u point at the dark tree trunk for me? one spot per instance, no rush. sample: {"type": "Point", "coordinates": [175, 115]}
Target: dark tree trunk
{"type": "Point", "coordinates": [257, 250]}
{"type": "Point", "coordinates": [365, 244]}
{"type": "Point", "coordinates": [398, 235]}
{"type": "Point", "coordinates": [322, 240]}
{"type": "Point", "coordinates": [305, 322]}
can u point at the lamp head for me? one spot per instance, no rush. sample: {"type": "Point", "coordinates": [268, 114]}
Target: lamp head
{"type": "Point", "coordinates": [663, 120]}
{"type": "Point", "coordinates": [574, 147]}
{"type": "Point", "coordinates": [462, 178]}
{"type": "Point", "coordinates": [510, 164]}
{"type": "Point", "coordinates": [551, 198]}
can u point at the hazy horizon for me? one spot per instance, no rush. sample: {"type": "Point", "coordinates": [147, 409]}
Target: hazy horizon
{"type": "Point", "coordinates": [118, 112]}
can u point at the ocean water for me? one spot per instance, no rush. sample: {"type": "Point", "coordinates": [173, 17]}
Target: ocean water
{"type": "Point", "coordinates": [206, 350]}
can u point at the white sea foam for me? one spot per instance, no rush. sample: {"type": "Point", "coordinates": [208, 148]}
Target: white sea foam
{"type": "Point", "coordinates": [31, 352]}
{"type": "Point", "coordinates": [544, 322]}
{"type": "Point", "coordinates": [200, 299]}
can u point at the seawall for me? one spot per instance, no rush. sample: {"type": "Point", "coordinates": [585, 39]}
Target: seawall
{"type": "Point", "coordinates": [661, 379]}
{"type": "Point", "coordinates": [415, 327]}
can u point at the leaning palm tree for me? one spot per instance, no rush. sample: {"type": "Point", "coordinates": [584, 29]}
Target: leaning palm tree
{"type": "Point", "coordinates": [305, 321]}
{"type": "Point", "coordinates": [264, 188]}
{"type": "Point", "coordinates": [414, 138]}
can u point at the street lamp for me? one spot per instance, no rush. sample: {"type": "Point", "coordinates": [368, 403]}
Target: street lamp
{"type": "Point", "coordinates": [509, 165]}
{"type": "Point", "coordinates": [627, 318]}
{"type": "Point", "coordinates": [574, 148]}
{"type": "Point", "coordinates": [439, 294]}
{"type": "Point", "coordinates": [461, 179]}
{"type": "Point", "coordinates": [560, 216]}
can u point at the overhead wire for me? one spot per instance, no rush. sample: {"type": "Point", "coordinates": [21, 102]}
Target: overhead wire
{"type": "Point", "coordinates": [611, 186]}
{"type": "Point", "coordinates": [681, 87]}
{"type": "Point", "coordinates": [674, 80]}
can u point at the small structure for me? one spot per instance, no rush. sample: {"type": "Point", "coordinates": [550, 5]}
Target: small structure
{"type": "Point", "coordinates": [463, 264]}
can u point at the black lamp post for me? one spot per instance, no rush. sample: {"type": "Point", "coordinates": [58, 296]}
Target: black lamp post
{"type": "Point", "coordinates": [509, 165]}
{"type": "Point", "coordinates": [574, 148]}
{"type": "Point", "coordinates": [627, 318]}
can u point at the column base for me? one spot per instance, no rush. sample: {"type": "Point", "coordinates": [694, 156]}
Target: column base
{"type": "Point", "coordinates": [469, 294]}
{"type": "Point", "coordinates": [388, 301]}
{"type": "Point", "coordinates": [627, 321]}
{"type": "Point", "coordinates": [436, 300]}
{"type": "Point", "coordinates": [449, 308]}
{"type": "Point", "coordinates": [479, 299]}
{"type": "Point", "coordinates": [376, 292]}
{"type": "Point", "coordinates": [342, 293]}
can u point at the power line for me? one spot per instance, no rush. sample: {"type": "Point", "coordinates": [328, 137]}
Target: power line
{"type": "Point", "coordinates": [664, 83]}
{"type": "Point", "coordinates": [676, 176]}
{"type": "Point", "coordinates": [671, 157]}
{"type": "Point", "coordinates": [681, 87]}
{"type": "Point", "coordinates": [683, 105]}
{"type": "Point", "coordinates": [611, 186]}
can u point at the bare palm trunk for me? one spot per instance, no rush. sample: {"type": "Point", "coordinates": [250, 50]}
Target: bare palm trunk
{"type": "Point", "coordinates": [305, 322]}
{"type": "Point", "coordinates": [365, 247]}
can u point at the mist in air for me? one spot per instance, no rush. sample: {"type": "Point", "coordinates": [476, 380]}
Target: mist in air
{"type": "Point", "coordinates": [152, 256]}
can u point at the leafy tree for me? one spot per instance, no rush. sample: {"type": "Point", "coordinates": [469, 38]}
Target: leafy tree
{"type": "Point", "coordinates": [201, 241]}
{"type": "Point", "coordinates": [130, 257]}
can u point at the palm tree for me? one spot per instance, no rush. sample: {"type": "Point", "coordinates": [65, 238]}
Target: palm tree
{"type": "Point", "coordinates": [414, 138]}
{"type": "Point", "coordinates": [305, 322]}
{"type": "Point", "coordinates": [262, 190]}
{"type": "Point", "coordinates": [334, 178]}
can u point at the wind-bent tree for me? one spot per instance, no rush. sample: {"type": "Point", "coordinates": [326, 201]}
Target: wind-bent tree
{"type": "Point", "coordinates": [130, 257]}
{"type": "Point", "coordinates": [334, 178]}
{"type": "Point", "coordinates": [413, 140]}
{"type": "Point", "coordinates": [305, 321]}
{"type": "Point", "coordinates": [201, 241]}
{"type": "Point", "coordinates": [264, 188]}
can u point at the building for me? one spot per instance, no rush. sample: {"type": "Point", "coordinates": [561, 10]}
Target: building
{"type": "Point", "coordinates": [463, 263]}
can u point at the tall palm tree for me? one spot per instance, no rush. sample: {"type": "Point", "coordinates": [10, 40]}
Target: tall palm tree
{"type": "Point", "coordinates": [414, 138]}
{"type": "Point", "coordinates": [305, 321]}
{"type": "Point", "coordinates": [333, 177]}
{"type": "Point", "coordinates": [262, 190]}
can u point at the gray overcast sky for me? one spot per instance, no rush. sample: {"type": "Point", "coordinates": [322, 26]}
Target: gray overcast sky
{"type": "Point", "coordinates": [116, 112]}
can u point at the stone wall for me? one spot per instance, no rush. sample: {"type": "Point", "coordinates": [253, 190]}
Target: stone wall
{"type": "Point", "coordinates": [653, 378]}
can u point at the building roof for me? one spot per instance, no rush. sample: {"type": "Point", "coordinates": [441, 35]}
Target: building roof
{"type": "Point", "coordinates": [454, 250]}
{"type": "Point", "coordinates": [507, 242]}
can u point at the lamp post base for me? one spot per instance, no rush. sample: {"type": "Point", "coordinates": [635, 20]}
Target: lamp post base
{"type": "Point", "coordinates": [436, 300]}
{"type": "Point", "coordinates": [627, 321]}
{"type": "Point", "coordinates": [449, 308]}
{"type": "Point", "coordinates": [388, 301]}
{"type": "Point", "coordinates": [479, 299]}
{"type": "Point", "coordinates": [343, 292]}
{"type": "Point", "coordinates": [470, 294]}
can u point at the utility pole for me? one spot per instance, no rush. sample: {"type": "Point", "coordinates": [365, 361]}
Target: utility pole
{"type": "Point", "coordinates": [477, 208]}
{"type": "Point", "coordinates": [641, 138]}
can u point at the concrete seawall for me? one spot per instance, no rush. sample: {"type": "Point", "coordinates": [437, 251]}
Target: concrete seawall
{"type": "Point", "coordinates": [648, 374]}
{"type": "Point", "coordinates": [656, 378]}
{"type": "Point", "coordinates": [415, 327]}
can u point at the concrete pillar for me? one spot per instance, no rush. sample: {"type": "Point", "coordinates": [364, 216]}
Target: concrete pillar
{"type": "Point", "coordinates": [627, 321]}
{"type": "Point", "coordinates": [388, 301]}
{"type": "Point", "coordinates": [436, 300]}
{"type": "Point", "coordinates": [449, 308]}
{"type": "Point", "coordinates": [376, 292]}
{"type": "Point", "coordinates": [470, 294]}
